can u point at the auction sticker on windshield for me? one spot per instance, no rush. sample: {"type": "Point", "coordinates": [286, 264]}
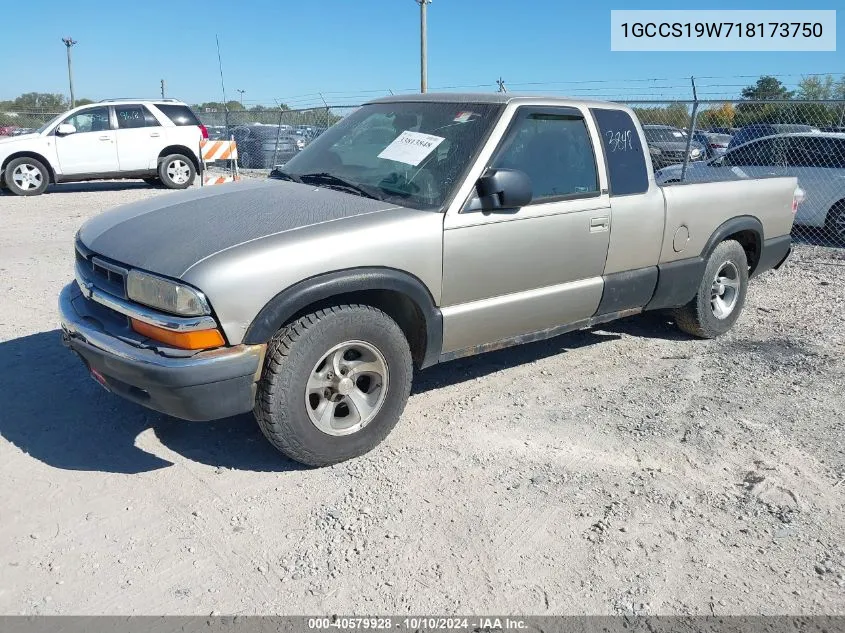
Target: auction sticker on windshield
{"type": "Point", "coordinates": [411, 147]}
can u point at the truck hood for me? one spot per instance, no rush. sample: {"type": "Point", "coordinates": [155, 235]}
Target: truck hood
{"type": "Point", "coordinates": [171, 232]}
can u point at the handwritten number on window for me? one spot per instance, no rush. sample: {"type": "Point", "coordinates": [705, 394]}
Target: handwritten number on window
{"type": "Point", "coordinates": [619, 140]}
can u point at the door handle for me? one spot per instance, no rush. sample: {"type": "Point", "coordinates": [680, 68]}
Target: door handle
{"type": "Point", "coordinates": [597, 225]}
{"type": "Point", "coordinates": [155, 134]}
{"type": "Point", "coordinates": [105, 138]}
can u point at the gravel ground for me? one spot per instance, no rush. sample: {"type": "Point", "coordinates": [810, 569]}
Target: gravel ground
{"type": "Point", "coordinates": [626, 469]}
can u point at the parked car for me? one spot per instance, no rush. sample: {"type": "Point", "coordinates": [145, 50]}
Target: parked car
{"type": "Point", "coordinates": [260, 145]}
{"type": "Point", "coordinates": [817, 160]}
{"type": "Point", "coordinates": [668, 145]}
{"type": "Point", "coordinates": [730, 131]}
{"type": "Point", "coordinates": [217, 132]}
{"type": "Point", "coordinates": [714, 144]}
{"type": "Point", "coordinates": [7, 130]}
{"type": "Point", "coordinates": [156, 140]}
{"type": "Point", "coordinates": [758, 130]}
{"type": "Point", "coordinates": [489, 221]}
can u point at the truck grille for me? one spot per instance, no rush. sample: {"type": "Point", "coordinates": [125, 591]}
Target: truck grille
{"type": "Point", "coordinates": [105, 275]}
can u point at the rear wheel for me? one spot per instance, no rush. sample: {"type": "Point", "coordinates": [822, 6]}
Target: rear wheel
{"type": "Point", "coordinates": [836, 222]}
{"type": "Point", "coordinates": [26, 176]}
{"type": "Point", "coordinates": [334, 384]}
{"type": "Point", "coordinates": [177, 171]}
{"type": "Point", "coordinates": [721, 293]}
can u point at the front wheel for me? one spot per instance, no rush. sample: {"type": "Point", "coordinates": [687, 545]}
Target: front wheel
{"type": "Point", "coordinates": [334, 384]}
{"type": "Point", "coordinates": [27, 176]}
{"type": "Point", "coordinates": [177, 171]}
{"type": "Point", "coordinates": [721, 293]}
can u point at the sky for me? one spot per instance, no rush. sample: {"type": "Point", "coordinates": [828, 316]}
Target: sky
{"type": "Point", "coordinates": [351, 51]}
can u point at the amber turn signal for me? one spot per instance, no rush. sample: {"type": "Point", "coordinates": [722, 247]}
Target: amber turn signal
{"type": "Point", "coordinates": [199, 339]}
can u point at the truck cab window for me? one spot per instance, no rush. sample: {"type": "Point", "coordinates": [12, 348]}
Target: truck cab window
{"type": "Point", "coordinates": [556, 153]}
{"type": "Point", "coordinates": [623, 151]}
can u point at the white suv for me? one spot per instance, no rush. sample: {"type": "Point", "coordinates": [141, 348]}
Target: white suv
{"type": "Point", "coordinates": [157, 140]}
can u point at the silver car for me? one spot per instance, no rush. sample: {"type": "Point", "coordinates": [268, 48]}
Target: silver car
{"type": "Point", "coordinates": [417, 230]}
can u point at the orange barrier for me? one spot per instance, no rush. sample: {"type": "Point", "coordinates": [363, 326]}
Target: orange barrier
{"type": "Point", "coordinates": [218, 150]}
{"type": "Point", "coordinates": [214, 179]}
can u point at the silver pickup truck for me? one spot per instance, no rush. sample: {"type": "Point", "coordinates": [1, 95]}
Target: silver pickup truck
{"type": "Point", "coordinates": [417, 230]}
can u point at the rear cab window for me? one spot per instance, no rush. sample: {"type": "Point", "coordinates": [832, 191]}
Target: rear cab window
{"type": "Point", "coordinates": [626, 169]}
{"type": "Point", "coordinates": [178, 114]}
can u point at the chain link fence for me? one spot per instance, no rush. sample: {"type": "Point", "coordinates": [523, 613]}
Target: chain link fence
{"type": "Point", "coordinates": [267, 138]}
{"type": "Point", "coordinates": [688, 141]}
{"type": "Point", "coordinates": [705, 141]}
{"type": "Point", "coordinates": [24, 122]}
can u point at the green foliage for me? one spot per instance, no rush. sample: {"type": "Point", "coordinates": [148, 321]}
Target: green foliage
{"type": "Point", "coordinates": [767, 88]}
{"type": "Point", "coordinates": [674, 114]}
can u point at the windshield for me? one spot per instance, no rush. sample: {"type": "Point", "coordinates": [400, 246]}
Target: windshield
{"type": "Point", "coordinates": [410, 154]}
{"type": "Point", "coordinates": [664, 134]}
{"type": "Point", "coordinates": [49, 123]}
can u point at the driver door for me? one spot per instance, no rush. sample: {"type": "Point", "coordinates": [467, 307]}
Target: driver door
{"type": "Point", "coordinates": [508, 273]}
{"type": "Point", "coordinates": [92, 148]}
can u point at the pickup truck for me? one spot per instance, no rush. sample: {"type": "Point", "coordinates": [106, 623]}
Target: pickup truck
{"type": "Point", "coordinates": [417, 230]}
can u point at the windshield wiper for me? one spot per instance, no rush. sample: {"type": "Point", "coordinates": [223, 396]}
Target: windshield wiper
{"type": "Point", "coordinates": [333, 182]}
{"type": "Point", "coordinates": [278, 174]}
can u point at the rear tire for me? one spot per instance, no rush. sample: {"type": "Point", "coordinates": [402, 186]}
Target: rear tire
{"type": "Point", "coordinates": [334, 384]}
{"type": "Point", "coordinates": [835, 223]}
{"type": "Point", "coordinates": [26, 176]}
{"type": "Point", "coordinates": [177, 171]}
{"type": "Point", "coordinates": [721, 293]}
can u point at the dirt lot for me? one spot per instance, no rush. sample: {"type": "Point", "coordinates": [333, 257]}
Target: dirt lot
{"type": "Point", "coordinates": [627, 469]}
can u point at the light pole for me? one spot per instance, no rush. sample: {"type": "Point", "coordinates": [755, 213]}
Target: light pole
{"type": "Point", "coordinates": [242, 96]}
{"type": "Point", "coordinates": [69, 41]}
{"type": "Point", "coordinates": [423, 45]}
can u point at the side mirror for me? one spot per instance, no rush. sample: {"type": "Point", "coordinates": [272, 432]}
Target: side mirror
{"type": "Point", "coordinates": [64, 129]}
{"type": "Point", "coordinates": [504, 189]}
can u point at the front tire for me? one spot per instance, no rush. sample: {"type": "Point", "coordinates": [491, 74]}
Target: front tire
{"type": "Point", "coordinates": [721, 293]}
{"type": "Point", "coordinates": [334, 384]}
{"type": "Point", "coordinates": [177, 171]}
{"type": "Point", "coordinates": [26, 176]}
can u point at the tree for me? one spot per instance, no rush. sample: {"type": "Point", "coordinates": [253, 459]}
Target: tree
{"type": "Point", "coordinates": [813, 88]}
{"type": "Point", "coordinates": [675, 114]}
{"type": "Point", "coordinates": [767, 88]}
{"type": "Point", "coordinates": [44, 101]}
{"type": "Point", "coordinates": [723, 116]}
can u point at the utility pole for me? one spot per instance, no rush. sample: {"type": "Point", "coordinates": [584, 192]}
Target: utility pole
{"type": "Point", "coordinates": [242, 96]}
{"type": "Point", "coordinates": [501, 83]}
{"type": "Point", "coordinates": [423, 45]}
{"type": "Point", "coordinates": [162, 88]}
{"type": "Point", "coordinates": [69, 41]}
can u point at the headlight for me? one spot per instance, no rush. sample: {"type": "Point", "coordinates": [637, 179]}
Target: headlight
{"type": "Point", "coordinates": [165, 295]}
{"type": "Point", "coordinates": [695, 152]}
{"type": "Point", "coordinates": [655, 150]}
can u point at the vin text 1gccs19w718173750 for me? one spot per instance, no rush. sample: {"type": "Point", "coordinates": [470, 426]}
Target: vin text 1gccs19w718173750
{"type": "Point", "coordinates": [417, 230]}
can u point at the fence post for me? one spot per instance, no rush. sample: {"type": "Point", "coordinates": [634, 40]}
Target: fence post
{"type": "Point", "coordinates": [278, 134]}
{"type": "Point", "coordinates": [691, 130]}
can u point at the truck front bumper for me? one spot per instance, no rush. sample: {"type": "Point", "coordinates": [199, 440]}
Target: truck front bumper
{"type": "Point", "coordinates": [204, 386]}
